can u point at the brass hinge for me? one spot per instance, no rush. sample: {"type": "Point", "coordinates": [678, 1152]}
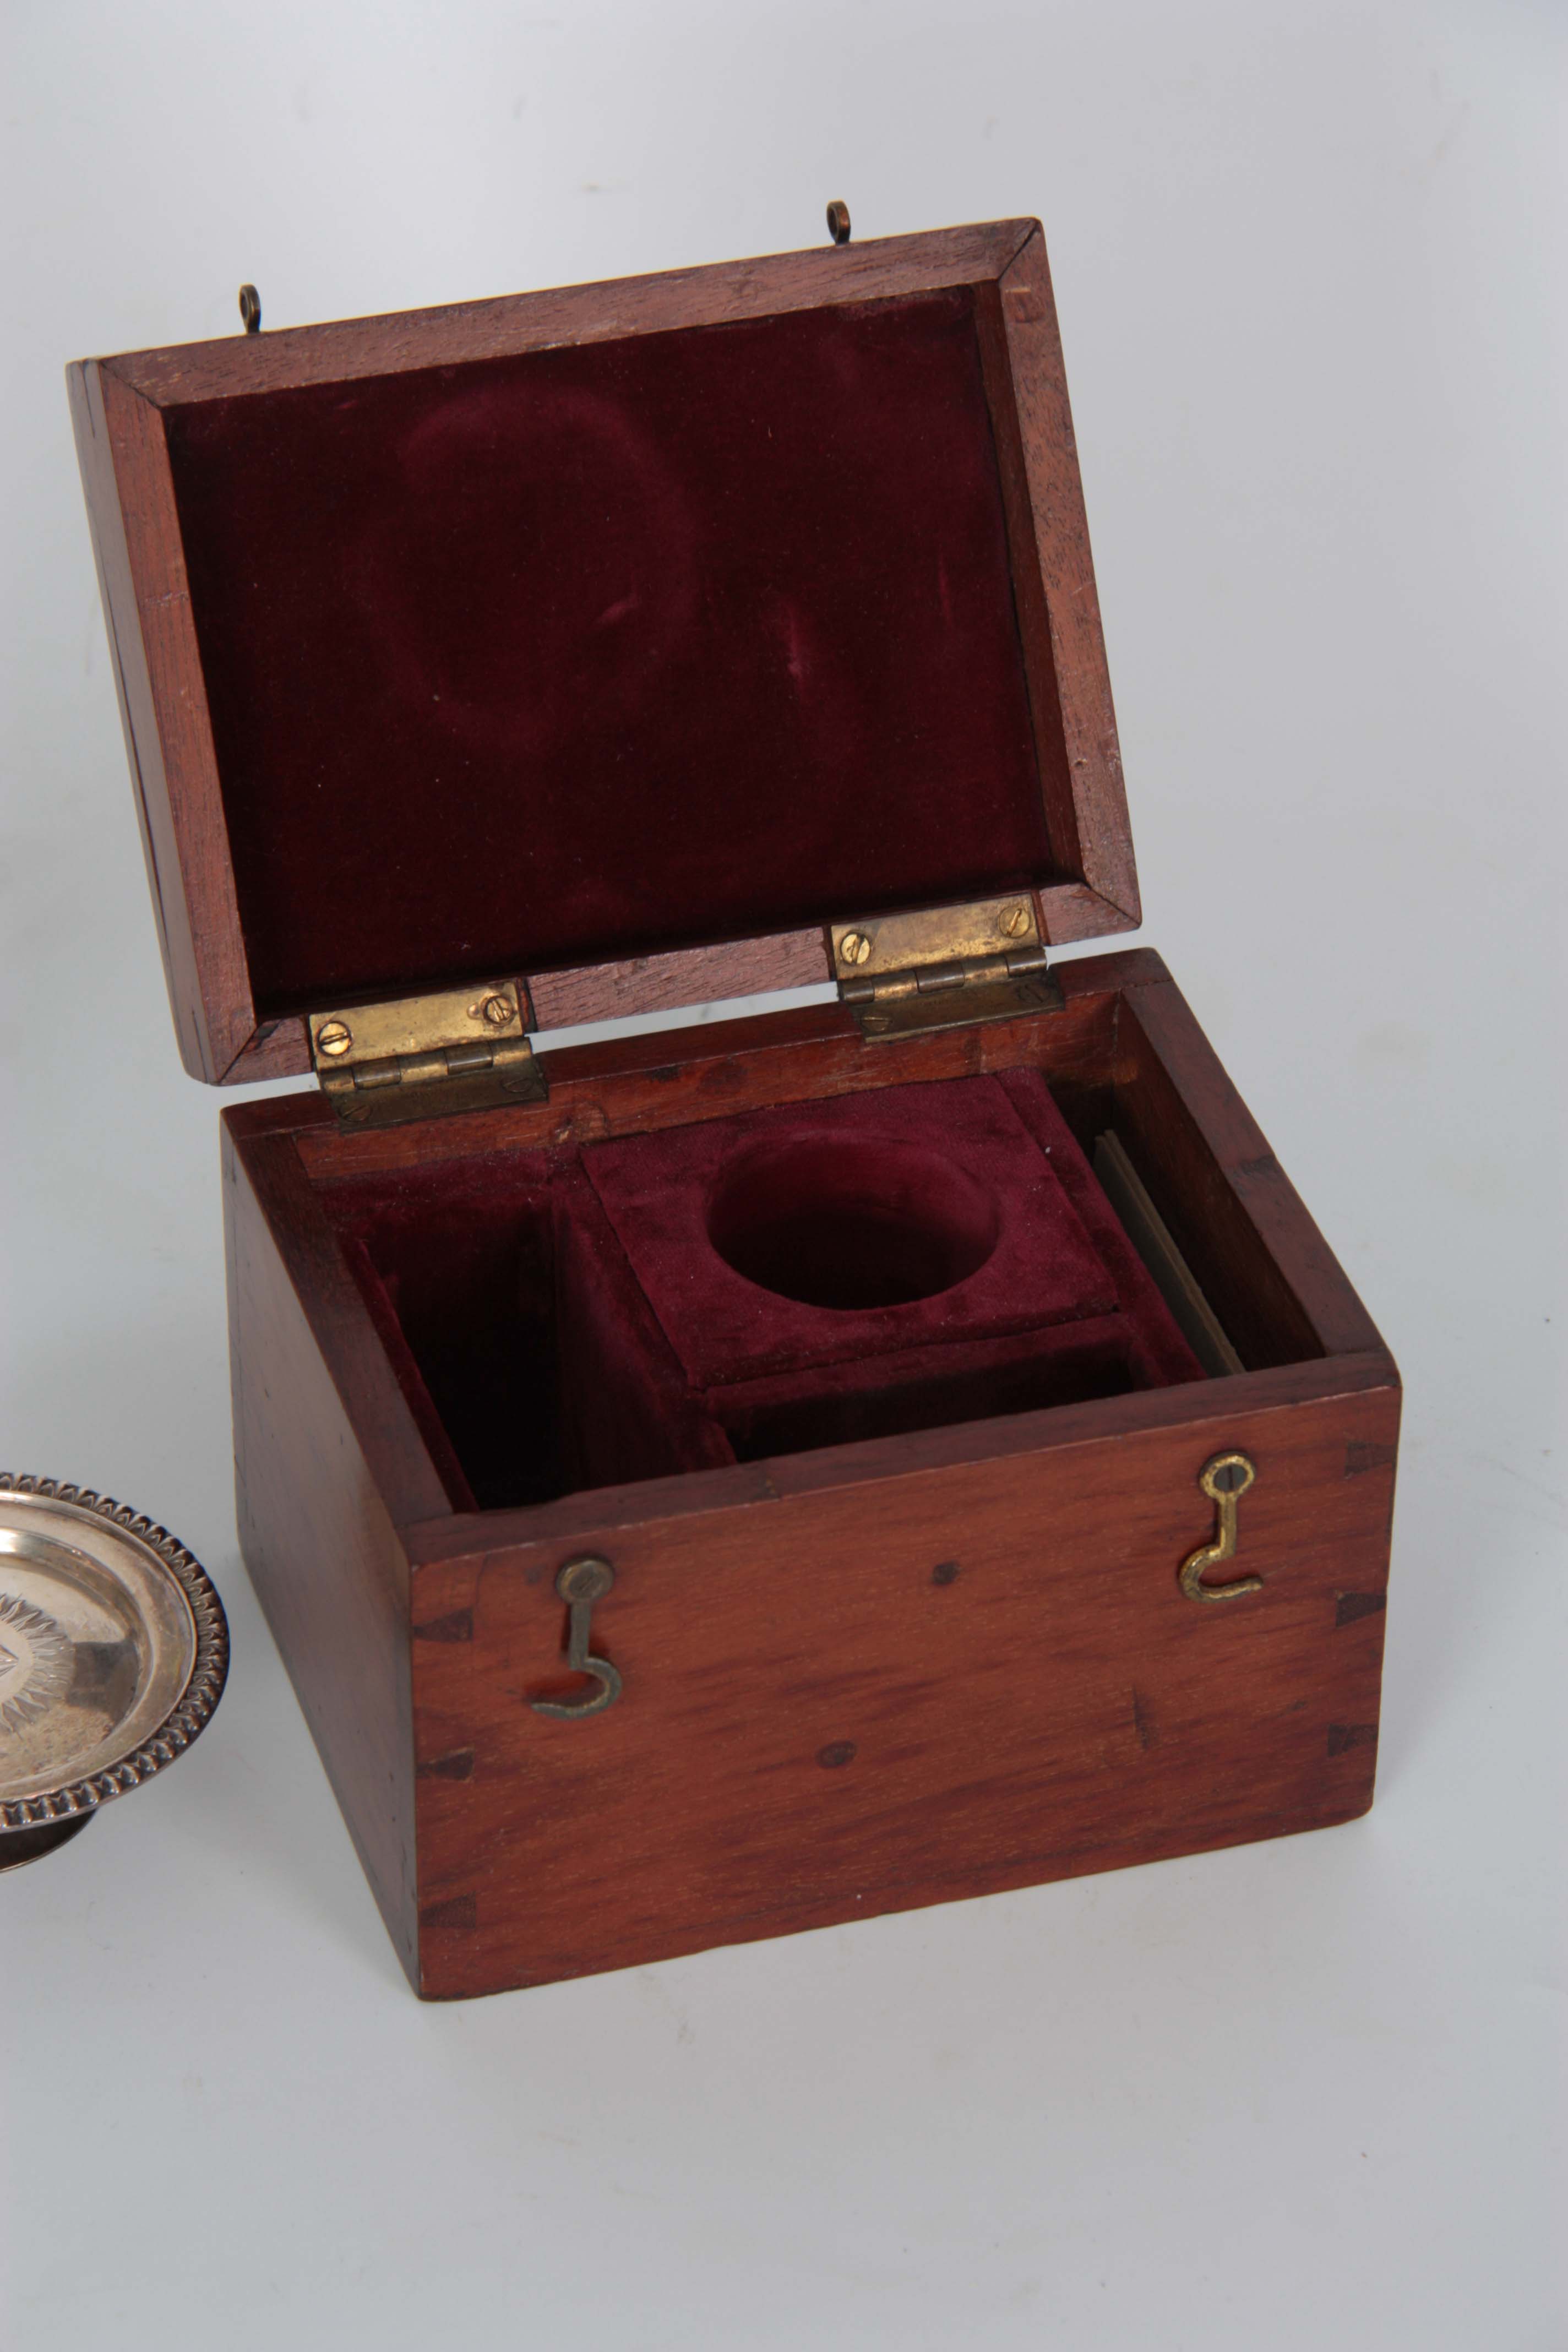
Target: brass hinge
{"type": "Point", "coordinates": [424, 1057]}
{"type": "Point", "coordinates": [943, 967]}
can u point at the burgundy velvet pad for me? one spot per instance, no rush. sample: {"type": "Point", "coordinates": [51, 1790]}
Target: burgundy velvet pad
{"type": "Point", "coordinates": [379, 1295]}
{"type": "Point", "coordinates": [601, 650]}
{"type": "Point", "coordinates": [458, 1259]}
{"type": "Point", "coordinates": [898, 1219]}
{"type": "Point", "coordinates": [928, 1388]}
{"type": "Point", "coordinates": [1161, 1357]}
{"type": "Point", "coordinates": [626, 1409]}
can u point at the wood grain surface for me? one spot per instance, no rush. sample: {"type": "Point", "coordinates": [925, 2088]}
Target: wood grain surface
{"type": "Point", "coordinates": [342, 350]}
{"type": "Point", "coordinates": [162, 707]}
{"type": "Point", "coordinates": [315, 1525]}
{"type": "Point", "coordinates": [880, 1691]}
{"type": "Point", "coordinates": [609, 991]}
{"type": "Point", "coordinates": [1102, 858]}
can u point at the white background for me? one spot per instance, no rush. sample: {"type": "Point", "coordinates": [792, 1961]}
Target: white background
{"type": "Point", "coordinates": [1309, 266]}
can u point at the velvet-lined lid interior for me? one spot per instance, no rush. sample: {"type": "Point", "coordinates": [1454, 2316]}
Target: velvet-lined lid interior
{"type": "Point", "coordinates": [609, 649]}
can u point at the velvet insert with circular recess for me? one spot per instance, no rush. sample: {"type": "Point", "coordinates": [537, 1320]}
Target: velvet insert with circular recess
{"type": "Point", "coordinates": [831, 1232]}
{"type": "Point", "coordinates": [593, 1316]}
{"type": "Point", "coordinates": [610, 648]}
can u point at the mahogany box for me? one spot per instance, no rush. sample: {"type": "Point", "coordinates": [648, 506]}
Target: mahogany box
{"type": "Point", "coordinates": [741, 1476]}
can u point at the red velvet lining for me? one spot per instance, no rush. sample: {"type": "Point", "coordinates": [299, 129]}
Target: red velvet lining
{"type": "Point", "coordinates": [939, 1190]}
{"type": "Point", "coordinates": [540, 1355]}
{"type": "Point", "coordinates": [928, 1388]}
{"type": "Point", "coordinates": [627, 1410]}
{"type": "Point", "coordinates": [458, 1258]}
{"type": "Point", "coordinates": [1160, 1357]}
{"type": "Point", "coordinates": [734, 601]}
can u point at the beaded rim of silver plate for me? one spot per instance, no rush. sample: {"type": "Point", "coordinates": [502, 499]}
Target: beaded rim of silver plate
{"type": "Point", "coordinates": [113, 1652]}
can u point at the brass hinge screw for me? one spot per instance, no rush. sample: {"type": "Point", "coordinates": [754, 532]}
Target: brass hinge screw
{"type": "Point", "coordinates": [1012, 922]}
{"type": "Point", "coordinates": [854, 948]}
{"type": "Point", "coordinates": [333, 1037]}
{"type": "Point", "coordinates": [496, 1011]}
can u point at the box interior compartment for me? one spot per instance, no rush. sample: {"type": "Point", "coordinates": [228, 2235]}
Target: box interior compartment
{"type": "Point", "coordinates": [804, 1275]}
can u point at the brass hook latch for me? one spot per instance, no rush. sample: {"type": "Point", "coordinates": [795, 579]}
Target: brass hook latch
{"type": "Point", "coordinates": [1224, 1480]}
{"type": "Point", "coordinates": [580, 1583]}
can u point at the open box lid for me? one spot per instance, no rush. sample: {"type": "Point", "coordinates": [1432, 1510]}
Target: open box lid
{"type": "Point", "coordinates": [619, 640]}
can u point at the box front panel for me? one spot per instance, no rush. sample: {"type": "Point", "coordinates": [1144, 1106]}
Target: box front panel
{"type": "Point", "coordinates": [845, 1698]}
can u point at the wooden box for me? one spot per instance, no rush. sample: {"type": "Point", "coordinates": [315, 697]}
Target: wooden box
{"type": "Point", "coordinates": [738, 1477]}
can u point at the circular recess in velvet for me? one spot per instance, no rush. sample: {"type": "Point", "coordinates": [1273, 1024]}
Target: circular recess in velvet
{"type": "Point", "coordinates": [848, 1224]}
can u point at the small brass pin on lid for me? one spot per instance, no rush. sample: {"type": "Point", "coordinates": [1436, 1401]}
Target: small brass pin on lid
{"type": "Point", "coordinates": [113, 1651]}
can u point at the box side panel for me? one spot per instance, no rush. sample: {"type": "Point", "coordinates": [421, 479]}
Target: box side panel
{"type": "Point", "coordinates": [345, 351]}
{"type": "Point", "coordinates": [323, 1555]}
{"type": "Point", "coordinates": [108, 520]}
{"type": "Point", "coordinates": [1031, 376]}
{"type": "Point", "coordinates": [124, 462]}
{"type": "Point", "coordinates": [1243, 1226]}
{"type": "Point", "coordinates": [857, 1697]}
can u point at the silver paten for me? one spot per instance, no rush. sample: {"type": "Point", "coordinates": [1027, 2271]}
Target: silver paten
{"type": "Point", "coordinates": [113, 1651]}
